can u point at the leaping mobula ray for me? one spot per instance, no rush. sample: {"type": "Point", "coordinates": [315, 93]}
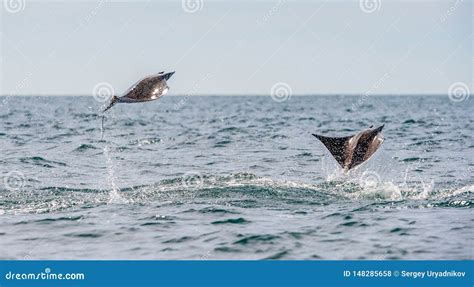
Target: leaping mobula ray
{"type": "Point", "coordinates": [147, 89]}
{"type": "Point", "coordinates": [353, 150]}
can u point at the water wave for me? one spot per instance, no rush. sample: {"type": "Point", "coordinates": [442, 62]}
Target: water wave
{"type": "Point", "coordinates": [239, 189]}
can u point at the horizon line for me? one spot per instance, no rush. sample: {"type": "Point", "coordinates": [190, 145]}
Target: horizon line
{"type": "Point", "coordinates": [246, 95]}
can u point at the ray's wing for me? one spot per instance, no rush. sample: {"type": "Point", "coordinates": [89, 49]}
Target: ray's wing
{"type": "Point", "coordinates": [151, 87]}
{"type": "Point", "coordinates": [134, 87]}
{"type": "Point", "coordinates": [373, 146]}
{"type": "Point", "coordinates": [364, 151]}
{"type": "Point", "coordinates": [337, 147]}
{"type": "Point", "coordinates": [366, 147]}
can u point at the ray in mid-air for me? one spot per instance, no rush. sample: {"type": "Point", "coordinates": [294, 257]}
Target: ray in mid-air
{"type": "Point", "coordinates": [147, 89]}
{"type": "Point", "coordinates": [353, 150]}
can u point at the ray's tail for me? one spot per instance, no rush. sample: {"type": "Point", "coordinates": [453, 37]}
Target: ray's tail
{"type": "Point", "coordinates": [102, 127]}
{"type": "Point", "coordinates": [112, 103]}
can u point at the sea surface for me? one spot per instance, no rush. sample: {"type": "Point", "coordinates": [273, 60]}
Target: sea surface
{"type": "Point", "coordinates": [216, 177]}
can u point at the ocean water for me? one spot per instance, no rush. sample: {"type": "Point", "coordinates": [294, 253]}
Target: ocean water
{"type": "Point", "coordinates": [234, 178]}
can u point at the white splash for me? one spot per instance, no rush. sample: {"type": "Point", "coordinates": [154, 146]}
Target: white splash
{"type": "Point", "coordinates": [114, 195]}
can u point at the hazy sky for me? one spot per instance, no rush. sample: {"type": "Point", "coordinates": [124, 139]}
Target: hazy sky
{"type": "Point", "coordinates": [237, 47]}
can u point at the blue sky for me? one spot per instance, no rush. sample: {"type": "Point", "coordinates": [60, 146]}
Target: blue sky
{"type": "Point", "coordinates": [237, 47]}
